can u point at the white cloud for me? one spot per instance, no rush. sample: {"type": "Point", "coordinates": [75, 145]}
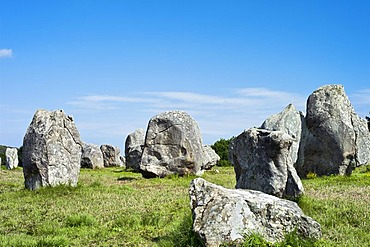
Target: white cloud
{"type": "Point", "coordinates": [218, 116]}
{"type": "Point", "coordinates": [6, 53]}
{"type": "Point", "coordinates": [361, 102]}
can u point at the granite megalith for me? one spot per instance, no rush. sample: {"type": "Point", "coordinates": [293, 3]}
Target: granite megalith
{"type": "Point", "coordinates": [111, 156]}
{"type": "Point", "coordinates": [173, 145]}
{"type": "Point", "coordinates": [51, 150]}
{"type": "Point", "coordinates": [336, 139]}
{"type": "Point", "coordinates": [228, 215]}
{"type": "Point", "coordinates": [11, 156]}
{"type": "Point", "coordinates": [262, 161]}
{"type": "Point", "coordinates": [134, 149]}
{"type": "Point", "coordinates": [92, 156]}
{"type": "Point", "coordinates": [288, 121]}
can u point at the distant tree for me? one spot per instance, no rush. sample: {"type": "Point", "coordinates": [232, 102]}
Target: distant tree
{"type": "Point", "coordinates": [368, 122]}
{"type": "Point", "coordinates": [221, 147]}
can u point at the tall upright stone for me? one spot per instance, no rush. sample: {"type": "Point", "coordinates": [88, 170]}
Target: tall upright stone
{"type": "Point", "coordinates": [262, 161]}
{"type": "Point", "coordinates": [173, 145]}
{"type": "Point", "coordinates": [134, 145]}
{"type": "Point", "coordinates": [337, 140]}
{"type": "Point", "coordinates": [11, 155]}
{"type": "Point", "coordinates": [51, 150]}
{"type": "Point", "coordinates": [288, 121]}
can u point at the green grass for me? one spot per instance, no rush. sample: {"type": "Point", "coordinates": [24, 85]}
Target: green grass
{"type": "Point", "coordinates": [112, 207]}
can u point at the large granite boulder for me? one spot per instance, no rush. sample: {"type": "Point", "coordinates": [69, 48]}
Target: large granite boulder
{"type": "Point", "coordinates": [92, 156]}
{"type": "Point", "coordinates": [262, 161]}
{"type": "Point", "coordinates": [11, 155]}
{"type": "Point", "coordinates": [134, 145]}
{"type": "Point", "coordinates": [111, 156]}
{"type": "Point", "coordinates": [337, 139]}
{"type": "Point", "coordinates": [173, 145]}
{"type": "Point", "coordinates": [210, 158]}
{"type": "Point", "coordinates": [51, 150]}
{"type": "Point", "coordinates": [226, 215]}
{"type": "Point", "coordinates": [288, 121]}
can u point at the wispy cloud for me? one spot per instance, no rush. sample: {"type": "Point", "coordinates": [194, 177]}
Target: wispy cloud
{"type": "Point", "coordinates": [4, 53]}
{"type": "Point", "coordinates": [218, 116]}
{"type": "Point", "coordinates": [361, 102]}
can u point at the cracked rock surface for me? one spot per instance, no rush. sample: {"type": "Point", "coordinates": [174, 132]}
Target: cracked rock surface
{"type": "Point", "coordinates": [134, 149]}
{"type": "Point", "coordinates": [92, 156]}
{"type": "Point", "coordinates": [111, 156]}
{"type": "Point", "coordinates": [225, 215]}
{"type": "Point", "coordinates": [288, 121]}
{"type": "Point", "coordinates": [336, 139]}
{"type": "Point", "coordinates": [173, 145]}
{"type": "Point", "coordinates": [51, 150]}
{"type": "Point", "coordinates": [262, 161]}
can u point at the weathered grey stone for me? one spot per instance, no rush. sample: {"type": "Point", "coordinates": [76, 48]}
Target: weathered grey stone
{"type": "Point", "coordinates": [123, 161]}
{"type": "Point", "coordinates": [173, 145]}
{"type": "Point", "coordinates": [224, 215]}
{"type": "Point", "coordinates": [111, 156]}
{"type": "Point", "coordinates": [11, 155]}
{"type": "Point", "coordinates": [92, 156]}
{"type": "Point", "coordinates": [51, 150]}
{"type": "Point", "coordinates": [134, 149]}
{"type": "Point", "coordinates": [210, 158]}
{"type": "Point", "coordinates": [336, 139]}
{"type": "Point", "coordinates": [262, 162]}
{"type": "Point", "coordinates": [288, 121]}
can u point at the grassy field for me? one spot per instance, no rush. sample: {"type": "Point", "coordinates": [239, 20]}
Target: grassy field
{"type": "Point", "coordinates": [112, 207]}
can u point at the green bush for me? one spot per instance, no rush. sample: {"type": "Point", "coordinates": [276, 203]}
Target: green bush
{"type": "Point", "coordinates": [221, 147]}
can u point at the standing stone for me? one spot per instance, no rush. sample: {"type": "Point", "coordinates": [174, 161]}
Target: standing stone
{"type": "Point", "coordinates": [134, 149]}
{"type": "Point", "coordinates": [337, 140]}
{"type": "Point", "coordinates": [225, 215]}
{"type": "Point", "coordinates": [111, 156]}
{"type": "Point", "coordinates": [92, 156]}
{"type": "Point", "coordinates": [11, 155]}
{"type": "Point", "coordinates": [210, 158]}
{"type": "Point", "coordinates": [173, 145]}
{"type": "Point", "coordinates": [288, 121]}
{"type": "Point", "coordinates": [51, 150]}
{"type": "Point", "coordinates": [262, 161]}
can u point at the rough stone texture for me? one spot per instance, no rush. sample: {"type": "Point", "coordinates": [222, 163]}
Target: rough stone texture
{"type": "Point", "coordinates": [111, 156]}
{"type": "Point", "coordinates": [224, 215]}
{"type": "Point", "coordinates": [123, 161]}
{"type": "Point", "coordinates": [173, 145]}
{"type": "Point", "coordinates": [51, 150]}
{"type": "Point", "coordinates": [11, 155]}
{"type": "Point", "coordinates": [92, 156]}
{"type": "Point", "coordinates": [262, 162]}
{"type": "Point", "coordinates": [336, 139]}
{"type": "Point", "coordinates": [134, 149]}
{"type": "Point", "coordinates": [210, 158]}
{"type": "Point", "coordinates": [288, 121]}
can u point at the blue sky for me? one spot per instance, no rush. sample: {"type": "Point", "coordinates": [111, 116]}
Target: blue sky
{"type": "Point", "coordinates": [230, 64]}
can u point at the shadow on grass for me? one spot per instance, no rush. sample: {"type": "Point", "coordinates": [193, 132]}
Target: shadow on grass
{"type": "Point", "coordinates": [126, 179]}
